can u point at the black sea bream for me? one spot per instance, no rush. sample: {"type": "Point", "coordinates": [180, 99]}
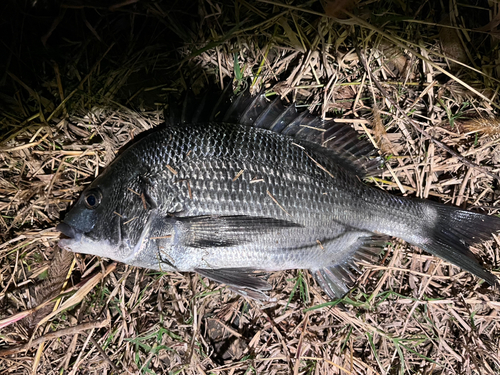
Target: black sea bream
{"type": "Point", "coordinates": [264, 188]}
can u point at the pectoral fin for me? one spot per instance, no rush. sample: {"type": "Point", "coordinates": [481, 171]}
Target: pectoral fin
{"type": "Point", "coordinates": [226, 231]}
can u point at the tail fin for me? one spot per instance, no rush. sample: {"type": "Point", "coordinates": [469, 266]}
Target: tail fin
{"type": "Point", "coordinates": [454, 231]}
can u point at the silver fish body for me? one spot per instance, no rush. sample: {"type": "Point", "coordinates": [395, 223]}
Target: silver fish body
{"type": "Point", "coordinates": [226, 199]}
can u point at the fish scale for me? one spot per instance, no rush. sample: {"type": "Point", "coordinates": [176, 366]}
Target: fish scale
{"type": "Point", "coordinates": [176, 200]}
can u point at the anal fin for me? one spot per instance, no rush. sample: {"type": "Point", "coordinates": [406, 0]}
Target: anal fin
{"type": "Point", "coordinates": [337, 279]}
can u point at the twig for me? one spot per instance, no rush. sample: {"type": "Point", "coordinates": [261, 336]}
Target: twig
{"type": "Point", "coordinates": [53, 335]}
{"type": "Point", "coordinates": [104, 355]}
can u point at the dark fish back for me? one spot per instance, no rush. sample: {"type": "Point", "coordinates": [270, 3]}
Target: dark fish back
{"type": "Point", "coordinates": [335, 140]}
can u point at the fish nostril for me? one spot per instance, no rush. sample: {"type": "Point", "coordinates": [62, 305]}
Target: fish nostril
{"type": "Point", "coordinates": [66, 229]}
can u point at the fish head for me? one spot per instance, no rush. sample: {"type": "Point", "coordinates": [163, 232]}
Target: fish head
{"type": "Point", "coordinates": [93, 226]}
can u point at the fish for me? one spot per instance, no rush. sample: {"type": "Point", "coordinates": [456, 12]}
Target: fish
{"type": "Point", "coordinates": [259, 187]}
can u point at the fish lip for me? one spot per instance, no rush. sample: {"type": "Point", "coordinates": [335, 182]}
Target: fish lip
{"type": "Point", "coordinates": [68, 230]}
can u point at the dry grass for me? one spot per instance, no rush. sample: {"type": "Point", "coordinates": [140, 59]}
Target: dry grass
{"type": "Point", "coordinates": [105, 76]}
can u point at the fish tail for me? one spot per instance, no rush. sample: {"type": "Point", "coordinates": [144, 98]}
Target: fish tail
{"type": "Point", "coordinates": [450, 233]}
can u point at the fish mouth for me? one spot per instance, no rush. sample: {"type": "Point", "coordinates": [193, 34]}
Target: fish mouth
{"type": "Point", "coordinates": [77, 241]}
{"type": "Point", "coordinates": [68, 230]}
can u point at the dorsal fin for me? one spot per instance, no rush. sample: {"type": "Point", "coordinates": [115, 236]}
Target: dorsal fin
{"type": "Point", "coordinates": [330, 139]}
{"type": "Point", "coordinates": [336, 141]}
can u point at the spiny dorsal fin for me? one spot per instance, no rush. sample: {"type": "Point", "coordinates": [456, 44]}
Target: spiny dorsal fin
{"type": "Point", "coordinates": [337, 141]}
{"type": "Point", "coordinates": [329, 138]}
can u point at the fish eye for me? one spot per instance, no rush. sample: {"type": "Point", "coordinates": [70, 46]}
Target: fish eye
{"type": "Point", "coordinates": [92, 198]}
